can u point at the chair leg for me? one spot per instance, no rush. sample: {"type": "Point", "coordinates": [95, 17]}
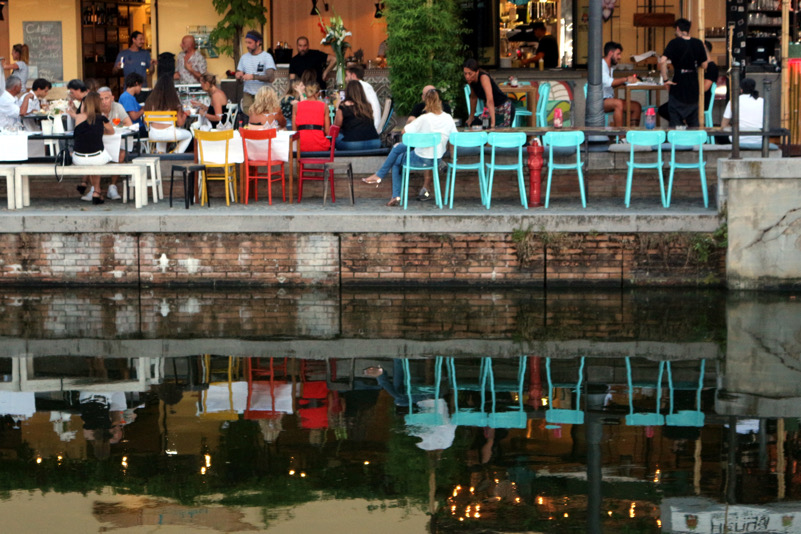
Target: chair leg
{"type": "Point", "coordinates": [437, 189]}
{"type": "Point", "coordinates": [154, 184]}
{"type": "Point", "coordinates": [331, 178]}
{"type": "Point", "coordinates": [488, 191]}
{"type": "Point", "coordinates": [157, 168]}
{"type": "Point", "coordinates": [581, 186]}
{"type": "Point", "coordinates": [325, 185]}
{"type": "Point", "coordinates": [521, 185]}
{"type": "Point", "coordinates": [450, 185]}
{"type": "Point", "coordinates": [405, 187]}
{"type": "Point", "coordinates": [283, 182]}
{"type": "Point", "coordinates": [670, 185]}
{"type": "Point", "coordinates": [187, 189]}
{"type": "Point", "coordinates": [350, 182]}
{"type": "Point", "coordinates": [172, 182]}
{"type": "Point", "coordinates": [548, 186]}
{"type": "Point", "coordinates": [703, 183]}
{"type": "Point", "coordinates": [662, 186]}
{"type": "Point", "coordinates": [629, 177]}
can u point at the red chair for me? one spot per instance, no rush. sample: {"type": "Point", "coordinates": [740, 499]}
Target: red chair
{"type": "Point", "coordinates": [316, 171]}
{"type": "Point", "coordinates": [256, 159]}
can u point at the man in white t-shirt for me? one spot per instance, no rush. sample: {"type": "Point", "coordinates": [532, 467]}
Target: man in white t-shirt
{"type": "Point", "coordinates": [256, 68]}
{"type": "Point", "coordinates": [356, 72]}
{"type": "Point", "coordinates": [9, 109]}
{"type": "Point", "coordinates": [752, 109]}
{"type": "Point", "coordinates": [616, 106]}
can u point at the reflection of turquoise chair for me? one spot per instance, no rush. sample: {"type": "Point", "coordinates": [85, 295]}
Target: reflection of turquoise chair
{"type": "Point", "coordinates": [507, 140]}
{"type": "Point", "coordinates": [469, 416]}
{"type": "Point", "coordinates": [466, 140]}
{"type": "Point", "coordinates": [686, 417]}
{"type": "Point", "coordinates": [564, 416]}
{"type": "Point", "coordinates": [687, 138]}
{"type": "Point", "coordinates": [645, 419]}
{"type": "Point", "coordinates": [565, 140]}
{"type": "Point", "coordinates": [648, 138]}
{"type": "Point", "coordinates": [516, 417]}
{"type": "Point", "coordinates": [543, 94]}
{"type": "Point", "coordinates": [421, 140]}
{"type": "Point", "coordinates": [425, 418]}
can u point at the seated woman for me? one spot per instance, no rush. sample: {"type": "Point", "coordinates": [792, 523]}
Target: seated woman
{"type": "Point", "coordinates": [482, 86]}
{"type": "Point", "coordinates": [164, 97]}
{"type": "Point", "coordinates": [265, 113]}
{"type": "Point", "coordinates": [355, 119]}
{"type": "Point", "coordinates": [310, 119]}
{"type": "Point", "coordinates": [434, 120]}
{"type": "Point", "coordinates": [752, 108]}
{"type": "Point", "coordinates": [294, 93]}
{"type": "Point", "coordinates": [214, 112]}
{"type": "Point", "coordinates": [90, 125]}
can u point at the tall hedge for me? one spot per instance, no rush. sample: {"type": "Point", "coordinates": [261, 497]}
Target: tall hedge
{"type": "Point", "coordinates": [424, 46]}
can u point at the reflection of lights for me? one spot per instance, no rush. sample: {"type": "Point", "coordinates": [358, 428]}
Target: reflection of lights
{"type": "Point", "coordinates": [124, 462]}
{"type": "Point", "coordinates": [302, 474]}
{"type": "Point", "coordinates": [472, 489]}
{"type": "Point", "coordinates": [631, 510]}
{"type": "Point", "coordinates": [461, 519]}
{"type": "Point", "coordinates": [38, 459]}
{"type": "Point", "coordinates": [291, 472]}
{"type": "Point", "coordinates": [367, 462]}
{"type": "Point", "coordinates": [567, 515]}
{"type": "Point", "coordinates": [476, 515]}
{"type": "Point", "coordinates": [203, 470]}
{"type": "Point", "coordinates": [208, 459]}
{"type": "Point", "coordinates": [544, 401]}
{"type": "Point", "coordinates": [659, 523]}
{"type": "Point", "coordinates": [610, 513]}
{"type": "Point", "coordinates": [60, 458]}
{"type": "Point", "coordinates": [517, 499]}
{"type": "Point", "coordinates": [171, 452]}
{"type": "Point", "coordinates": [453, 509]}
{"type": "Point", "coordinates": [478, 507]}
{"type": "Point", "coordinates": [515, 397]}
{"type": "Point", "coordinates": [540, 500]}
{"type": "Point", "coordinates": [657, 475]}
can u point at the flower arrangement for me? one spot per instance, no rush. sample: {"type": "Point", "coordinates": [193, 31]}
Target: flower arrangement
{"type": "Point", "coordinates": [335, 34]}
{"type": "Point", "coordinates": [57, 107]}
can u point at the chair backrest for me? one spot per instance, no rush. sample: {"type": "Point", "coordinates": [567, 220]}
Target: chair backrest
{"type": "Point", "coordinates": [712, 90]}
{"type": "Point", "coordinates": [422, 140]}
{"type": "Point", "coordinates": [544, 93]}
{"type": "Point", "coordinates": [687, 137]}
{"type": "Point", "coordinates": [566, 139]}
{"type": "Point", "coordinates": [254, 147]}
{"type": "Point", "coordinates": [386, 115]}
{"type": "Point", "coordinates": [163, 117]}
{"type": "Point", "coordinates": [468, 139]}
{"type": "Point", "coordinates": [203, 138]}
{"type": "Point", "coordinates": [645, 137]}
{"type": "Point", "coordinates": [506, 139]}
{"type": "Point", "coordinates": [479, 103]}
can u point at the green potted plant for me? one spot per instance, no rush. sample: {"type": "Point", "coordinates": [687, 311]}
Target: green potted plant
{"type": "Point", "coordinates": [237, 15]}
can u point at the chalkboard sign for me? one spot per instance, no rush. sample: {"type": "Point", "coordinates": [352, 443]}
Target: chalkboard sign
{"type": "Point", "coordinates": [44, 41]}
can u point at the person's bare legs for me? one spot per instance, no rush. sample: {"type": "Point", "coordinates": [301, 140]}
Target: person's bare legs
{"type": "Point", "coordinates": [615, 107]}
{"type": "Point", "coordinates": [95, 181]}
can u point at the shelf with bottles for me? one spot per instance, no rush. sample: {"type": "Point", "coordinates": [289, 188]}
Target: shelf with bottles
{"type": "Point", "coordinates": [765, 5]}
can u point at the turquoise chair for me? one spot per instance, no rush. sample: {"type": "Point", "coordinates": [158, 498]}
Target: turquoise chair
{"type": "Point", "coordinates": [708, 111]}
{"type": "Point", "coordinates": [686, 417]}
{"type": "Point", "coordinates": [479, 103]}
{"type": "Point", "coordinates": [645, 419]}
{"type": "Point", "coordinates": [564, 416]}
{"type": "Point", "coordinates": [564, 139]}
{"type": "Point", "coordinates": [469, 416]}
{"type": "Point", "coordinates": [687, 138]}
{"type": "Point", "coordinates": [423, 418]}
{"type": "Point", "coordinates": [507, 140]}
{"type": "Point", "coordinates": [543, 94]}
{"type": "Point", "coordinates": [421, 140]}
{"type": "Point", "coordinates": [649, 138]}
{"type": "Point", "coordinates": [515, 418]}
{"type": "Point", "coordinates": [466, 140]}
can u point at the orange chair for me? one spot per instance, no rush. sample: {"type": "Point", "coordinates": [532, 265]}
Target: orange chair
{"type": "Point", "coordinates": [312, 168]}
{"type": "Point", "coordinates": [255, 152]}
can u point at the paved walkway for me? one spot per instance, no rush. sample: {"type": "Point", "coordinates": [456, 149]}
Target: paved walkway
{"type": "Point", "coordinates": [367, 215]}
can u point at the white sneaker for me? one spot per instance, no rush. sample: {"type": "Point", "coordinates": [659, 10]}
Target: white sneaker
{"type": "Point", "coordinates": [112, 193]}
{"type": "Point", "coordinates": [88, 196]}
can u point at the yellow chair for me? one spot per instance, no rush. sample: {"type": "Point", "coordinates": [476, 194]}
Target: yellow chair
{"type": "Point", "coordinates": [210, 156]}
{"type": "Point", "coordinates": [170, 118]}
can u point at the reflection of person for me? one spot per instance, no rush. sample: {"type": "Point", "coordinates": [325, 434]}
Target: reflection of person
{"type": "Point", "coordinates": [751, 112]}
{"type": "Point", "coordinates": [686, 54]}
{"type": "Point", "coordinates": [612, 52]}
{"type": "Point", "coordinates": [308, 59]}
{"type": "Point", "coordinates": [547, 48]}
{"type": "Point", "coordinates": [483, 87]}
{"type": "Point", "coordinates": [256, 68]}
{"type": "Point", "coordinates": [190, 64]}
{"type": "Point", "coordinates": [135, 58]}
{"type": "Point", "coordinates": [103, 418]}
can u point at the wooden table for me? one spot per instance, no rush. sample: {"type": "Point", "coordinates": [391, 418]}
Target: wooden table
{"type": "Point", "coordinates": [532, 96]}
{"type": "Point", "coordinates": [640, 87]}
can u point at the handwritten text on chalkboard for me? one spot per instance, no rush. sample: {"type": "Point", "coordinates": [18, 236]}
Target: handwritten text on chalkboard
{"type": "Point", "coordinates": [44, 40]}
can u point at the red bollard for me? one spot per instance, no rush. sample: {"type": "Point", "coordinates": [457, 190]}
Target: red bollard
{"type": "Point", "coordinates": [535, 175]}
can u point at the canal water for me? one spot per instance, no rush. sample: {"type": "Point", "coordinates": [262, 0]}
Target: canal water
{"type": "Point", "coordinates": [390, 410]}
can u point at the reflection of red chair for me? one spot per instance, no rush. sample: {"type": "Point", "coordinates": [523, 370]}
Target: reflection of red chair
{"type": "Point", "coordinates": [316, 170]}
{"type": "Point", "coordinates": [258, 373]}
{"type": "Point", "coordinates": [255, 158]}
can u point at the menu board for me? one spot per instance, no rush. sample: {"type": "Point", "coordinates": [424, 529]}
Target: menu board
{"type": "Point", "coordinates": [44, 41]}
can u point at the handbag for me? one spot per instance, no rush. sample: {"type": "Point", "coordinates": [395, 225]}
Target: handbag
{"type": "Point", "coordinates": [63, 158]}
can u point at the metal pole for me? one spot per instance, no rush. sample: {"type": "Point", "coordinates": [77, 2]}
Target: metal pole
{"type": "Point", "coordinates": [734, 98]}
{"type": "Point", "coordinates": [594, 112]}
{"type": "Point", "coordinates": [766, 84]}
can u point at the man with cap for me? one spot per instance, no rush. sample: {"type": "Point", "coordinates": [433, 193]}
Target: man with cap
{"type": "Point", "coordinates": [256, 68]}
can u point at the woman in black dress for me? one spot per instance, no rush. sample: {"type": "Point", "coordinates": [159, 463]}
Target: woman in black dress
{"type": "Point", "coordinates": [482, 86]}
{"type": "Point", "coordinates": [355, 119]}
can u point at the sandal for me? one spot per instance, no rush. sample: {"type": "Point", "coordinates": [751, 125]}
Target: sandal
{"type": "Point", "coordinates": [97, 200]}
{"type": "Point", "coordinates": [394, 202]}
{"type": "Point", "coordinates": [374, 181]}
{"type": "Point", "coordinates": [81, 189]}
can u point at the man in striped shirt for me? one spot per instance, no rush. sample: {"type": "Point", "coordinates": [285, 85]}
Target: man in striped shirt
{"type": "Point", "coordinates": [256, 68]}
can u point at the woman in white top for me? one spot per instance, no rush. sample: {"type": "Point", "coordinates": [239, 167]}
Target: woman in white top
{"type": "Point", "coordinates": [265, 113]}
{"type": "Point", "coordinates": [434, 120]}
{"type": "Point", "coordinates": [752, 108]}
{"type": "Point", "coordinates": [19, 67]}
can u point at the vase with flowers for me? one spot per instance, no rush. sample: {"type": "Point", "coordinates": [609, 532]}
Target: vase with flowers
{"type": "Point", "coordinates": [335, 35]}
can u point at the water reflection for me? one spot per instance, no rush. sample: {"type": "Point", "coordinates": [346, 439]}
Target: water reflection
{"type": "Point", "coordinates": [511, 411]}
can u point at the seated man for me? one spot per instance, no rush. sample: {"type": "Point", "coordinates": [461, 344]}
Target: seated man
{"type": "Point", "coordinates": [133, 86]}
{"type": "Point", "coordinates": [9, 109]}
{"type": "Point", "coordinates": [616, 106]}
{"type": "Point", "coordinates": [34, 100]}
{"type": "Point", "coordinates": [115, 113]}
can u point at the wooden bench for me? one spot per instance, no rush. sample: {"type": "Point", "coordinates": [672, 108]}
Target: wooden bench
{"type": "Point", "coordinates": [21, 187]}
{"type": "Point", "coordinates": [8, 173]}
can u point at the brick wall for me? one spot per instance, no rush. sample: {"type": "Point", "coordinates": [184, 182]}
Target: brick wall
{"type": "Point", "coordinates": [525, 258]}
